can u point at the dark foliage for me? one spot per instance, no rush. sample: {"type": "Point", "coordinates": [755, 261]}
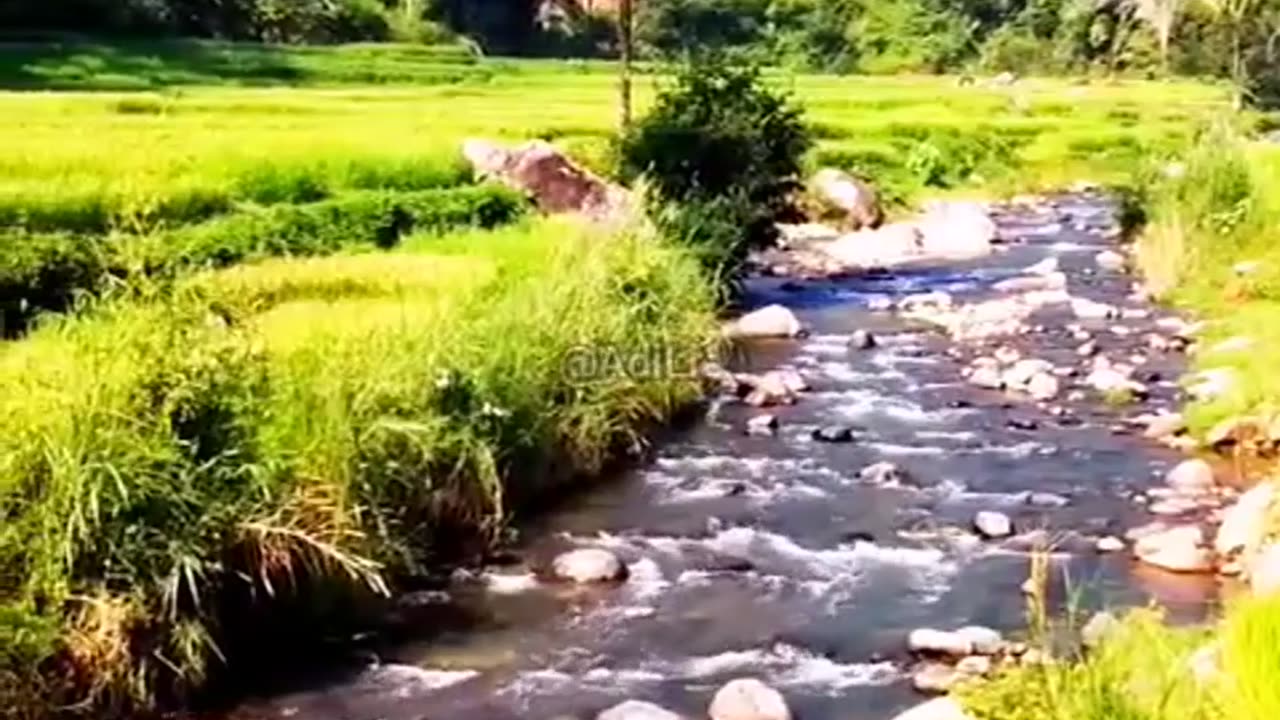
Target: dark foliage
{"type": "Point", "coordinates": [722, 151]}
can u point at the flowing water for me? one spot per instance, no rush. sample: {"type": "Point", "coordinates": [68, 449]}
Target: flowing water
{"type": "Point", "coordinates": [769, 557]}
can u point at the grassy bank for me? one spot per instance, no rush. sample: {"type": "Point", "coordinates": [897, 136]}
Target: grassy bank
{"type": "Point", "coordinates": [343, 417]}
{"type": "Point", "coordinates": [1146, 671]}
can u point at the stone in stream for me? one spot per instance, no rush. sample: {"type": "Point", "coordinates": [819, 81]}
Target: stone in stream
{"type": "Point", "coordinates": [748, 699]}
{"type": "Point", "coordinates": [883, 473]}
{"type": "Point", "coordinates": [834, 434]}
{"type": "Point", "coordinates": [1030, 283]}
{"type": "Point", "coordinates": [927, 641]}
{"type": "Point", "coordinates": [1179, 549]}
{"type": "Point", "coordinates": [943, 708]}
{"type": "Point", "coordinates": [637, 710]}
{"type": "Point", "coordinates": [974, 666]}
{"type": "Point", "coordinates": [766, 390]}
{"type": "Point", "coordinates": [589, 565]}
{"type": "Point", "coordinates": [793, 381]}
{"type": "Point", "coordinates": [991, 524]}
{"type": "Point", "coordinates": [1019, 376]}
{"type": "Point", "coordinates": [1047, 500]}
{"type": "Point", "coordinates": [1086, 309]}
{"type": "Point", "coordinates": [956, 228]}
{"type": "Point", "coordinates": [986, 377]}
{"type": "Point", "coordinates": [770, 321]}
{"type": "Point", "coordinates": [935, 678]}
{"type": "Point", "coordinates": [1109, 544]}
{"type": "Point", "coordinates": [1088, 348]}
{"type": "Point", "coordinates": [762, 425]}
{"type": "Point", "coordinates": [1191, 476]}
{"type": "Point", "coordinates": [862, 340]}
{"type": "Point", "coordinates": [1021, 424]}
{"type": "Point", "coordinates": [1244, 524]}
{"type": "Point", "coordinates": [1043, 387]}
{"type": "Point", "coordinates": [983, 640]}
{"type": "Point", "coordinates": [1110, 260]}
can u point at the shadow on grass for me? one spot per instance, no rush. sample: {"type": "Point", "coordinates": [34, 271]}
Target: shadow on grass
{"type": "Point", "coordinates": [151, 64]}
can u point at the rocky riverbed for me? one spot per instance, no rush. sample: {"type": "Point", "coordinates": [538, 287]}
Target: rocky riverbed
{"type": "Point", "coordinates": [862, 487]}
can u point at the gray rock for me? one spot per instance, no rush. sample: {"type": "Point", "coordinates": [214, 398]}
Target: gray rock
{"type": "Point", "coordinates": [1244, 524]}
{"type": "Point", "coordinates": [637, 710]}
{"type": "Point", "coordinates": [956, 229]}
{"type": "Point", "coordinates": [1047, 500]}
{"type": "Point", "coordinates": [939, 642]}
{"type": "Point", "coordinates": [1109, 544]}
{"type": "Point", "coordinates": [991, 524]}
{"type": "Point", "coordinates": [1191, 476]}
{"type": "Point", "coordinates": [1043, 387]}
{"type": "Point", "coordinates": [589, 565]}
{"type": "Point", "coordinates": [748, 699]}
{"type": "Point", "coordinates": [770, 321]}
{"type": "Point", "coordinates": [834, 434]}
{"type": "Point", "coordinates": [862, 340]}
{"type": "Point", "coordinates": [935, 678]}
{"type": "Point", "coordinates": [986, 377]}
{"type": "Point", "coordinates": [974, 666]}
{"type": "Point", "coordinates": [983, 640]}
{"type": "Point", "coordinates": [762, 425]}
{"type": "Point", "coordinates": [1110, 260]}
{"type": "Point", "coordinates": [1180, 549]}
{"type": "Point", "coordinates": [884, 473]}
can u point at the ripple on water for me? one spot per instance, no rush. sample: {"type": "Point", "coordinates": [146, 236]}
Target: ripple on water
{"type": "Point", "coordinates": [788, 666]}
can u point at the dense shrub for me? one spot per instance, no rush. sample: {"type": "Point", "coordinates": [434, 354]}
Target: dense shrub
{"type": "Point", "coordinates": [45, 272]}
{"type": "Point", "coordinates": [719, 141]}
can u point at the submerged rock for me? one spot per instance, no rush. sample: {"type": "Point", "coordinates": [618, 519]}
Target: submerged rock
{"type": "Point", "coordinates": [834, 434]}
{"type": "Point", "coordinates": [762, 425]}
{"type": "Point", "coordinates": [883, 473]}
{"type": "Point", "coordinates": [637, 710]}
{"type": "Point", "coordinates": [589, 565]}
{"type": "Point", "coordinates": [748, 699]}
{"type": "Point", "coordinates": [770, 321]}
{"type": "Point", "coordinates": [862, 340]}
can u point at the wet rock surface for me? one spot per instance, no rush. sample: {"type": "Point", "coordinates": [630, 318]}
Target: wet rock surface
{"type": "Point", "coordinates": [808, 564]}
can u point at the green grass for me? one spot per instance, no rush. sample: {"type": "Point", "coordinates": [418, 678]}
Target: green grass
{"type": "Point", "coordinates": [1223, 211]}
{"type": "Point", "coordinates": [1143, 671]}
{"type": "Point", "coordinates": [349, 417]}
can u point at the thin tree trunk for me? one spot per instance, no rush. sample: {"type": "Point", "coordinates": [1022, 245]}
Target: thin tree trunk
{"type": "Point", "coordinates": [624, 80]}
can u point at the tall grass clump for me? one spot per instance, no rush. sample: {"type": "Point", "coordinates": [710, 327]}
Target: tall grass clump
{"type": "Point", "coordinates": [1209, 247]}
{"type": "Point", "coordinates": [285, 431]}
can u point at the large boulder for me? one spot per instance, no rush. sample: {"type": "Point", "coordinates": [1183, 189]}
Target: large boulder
{"type": "Point", "coordinates": [956, 229]}
{"type": "Point", "coordinates": [770, 321]}
{"type": "Point", "coordinates": [748, 699]}
{"type": "Point", "coordinates": [1191, 477]}
{"type": "Point", "coordinates": [853, 197]}
{"type": "Point", "coordinates": [928, 641]}
{"type": "Point", "coordinates": [554, 182]}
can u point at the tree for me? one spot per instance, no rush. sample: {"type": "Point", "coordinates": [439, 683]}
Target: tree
{"type": "Point", "coordinates": [1162, 15]}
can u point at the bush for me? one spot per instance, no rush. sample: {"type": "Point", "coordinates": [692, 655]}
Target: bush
{"type": "Point", "coordinates": [719, 139]}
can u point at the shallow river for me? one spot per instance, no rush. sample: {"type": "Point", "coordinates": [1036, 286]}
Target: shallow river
{"type": "Point", "coordinates": [767, 556]}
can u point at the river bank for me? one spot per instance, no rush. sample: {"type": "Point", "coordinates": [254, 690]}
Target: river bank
{"type": "Point", "coordinates": [807, 563]}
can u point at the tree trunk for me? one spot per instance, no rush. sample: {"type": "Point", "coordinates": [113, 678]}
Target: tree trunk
{"type": "Point", "coordinates": [624, 80]}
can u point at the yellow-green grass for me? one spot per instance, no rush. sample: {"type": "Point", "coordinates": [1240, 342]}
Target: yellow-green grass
{"type": "Point", "coordinates": [1223, 210]}
{"type": "Point", "coordinates": [78, 160]}
{"type": "Point", "coordinates": [1147, 670]}
{"type": "Point", "coordinates": [346, 419]}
